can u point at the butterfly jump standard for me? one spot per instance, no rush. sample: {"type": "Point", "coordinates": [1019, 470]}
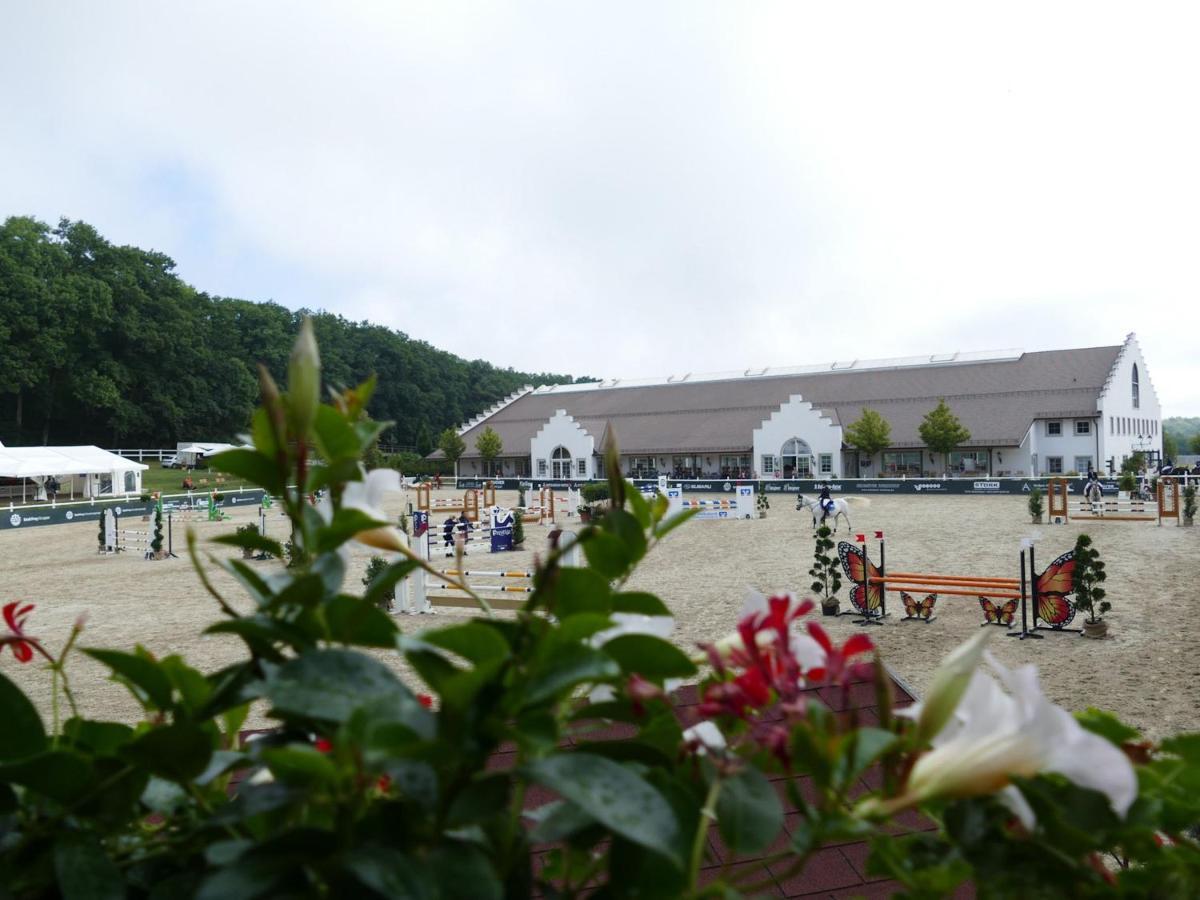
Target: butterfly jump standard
{"type": "Point", "coordinates": [999, 598]}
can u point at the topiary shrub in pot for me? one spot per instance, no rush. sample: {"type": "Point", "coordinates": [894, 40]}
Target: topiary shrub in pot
{"type": "Point", "coordinates": [1189, 505]}
{"type": "Point", "coordinates": [248, 530]}
{"type": "Point", "coordinates": [1086, 584]}
{"type": "Point", "coordinates": [1035, 506]}
{"type": "Point", "coordinates": [825, 572]}
{"type": "Point", "coordinates": [386, 599]}
{"type": "Point", "coordinates": [761, 501]}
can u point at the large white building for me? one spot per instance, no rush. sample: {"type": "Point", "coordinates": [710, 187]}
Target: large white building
{"type": "Point", "coordinates": [1042, 413]}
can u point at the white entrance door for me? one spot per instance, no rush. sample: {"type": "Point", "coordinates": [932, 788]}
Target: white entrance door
{"type": "Point", "coordinates": [560, 463]}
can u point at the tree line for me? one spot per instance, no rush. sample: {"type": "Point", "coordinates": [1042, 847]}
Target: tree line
{"type": "Point", "coordinates": [105, 344]}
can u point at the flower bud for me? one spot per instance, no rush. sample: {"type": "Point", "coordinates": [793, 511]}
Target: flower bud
{"type": "Point", "coordinates": [949, 684]}
{"type": "Point", "coordinates": [304, 380]}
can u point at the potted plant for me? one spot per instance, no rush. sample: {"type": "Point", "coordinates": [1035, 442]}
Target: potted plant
{"type": "Point", "coordinates": [761, 502]}
{"type": "Point", "coordinates": [585, 513]}
{"type": "Point", "coordinates": [404, 523]}
{"type": "Point", "coordinates": [156, 542]}
{"type": "Point", "coordinates": [387, 599]}
{"type": "Point", "coordinates": [1035, 506]}
{"type": "Point", "coordinates": [1189, 505]}
{"type": "Point", "coordinates": [827, 579]}
{"type": "Point", "coordinates": [1128, 482]}
{"type": "Point", "coordinates": [518, 529]}
{"type": "Point", "coordinates": [1086, 586]}
{"type": "Point", "coordinates": [248, 530]}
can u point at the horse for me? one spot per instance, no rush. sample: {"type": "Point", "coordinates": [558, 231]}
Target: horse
{"type": "Point", "coordinates": [1093, 492]}
{"type": "Point", "coordinates": [841, 510]}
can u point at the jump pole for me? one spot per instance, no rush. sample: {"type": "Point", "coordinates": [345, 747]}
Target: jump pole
{"type": "Point", "coordinates": [1026, 633]}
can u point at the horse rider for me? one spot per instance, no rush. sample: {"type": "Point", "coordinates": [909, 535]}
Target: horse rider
{"type": "Point", "coordinates": [826, 502]}
{"type": "Point", "coordinates": [1093, 490]}
{"type": "Point", "coordinates": [448, 534]}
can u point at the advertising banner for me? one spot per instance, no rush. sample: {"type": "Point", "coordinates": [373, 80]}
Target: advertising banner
{"type": "Point", "coordinates": [61, 514]}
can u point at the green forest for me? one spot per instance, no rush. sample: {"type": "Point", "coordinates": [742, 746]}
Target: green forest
{"type": "Point", "coordinates": [1181, 434]}
{"type": "Point", "coordinates": [103, 344]}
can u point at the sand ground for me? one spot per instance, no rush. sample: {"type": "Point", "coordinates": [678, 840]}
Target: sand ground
{"type": "Point", "coordinates": [1147, 670]}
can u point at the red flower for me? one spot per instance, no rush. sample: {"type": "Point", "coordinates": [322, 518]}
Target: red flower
{"type": "Point", "coordinates": [14, 617]}
{"type": "Point", "coordinates": [425, 700]}
{"type": "Point", "coordinates": [324, 745]}
{"type": "Point", "coordinates": [838, 669]}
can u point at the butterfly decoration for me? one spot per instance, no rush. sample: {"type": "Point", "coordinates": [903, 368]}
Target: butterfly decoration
{"type": "Point", "coordinates": [867, 602]}
{"type": "Point", "coordinates": [1052, 587]}
{"type": "Point", "coordinates": [922, 610]}
{"type": "Point", "coordinates": [998, 615]}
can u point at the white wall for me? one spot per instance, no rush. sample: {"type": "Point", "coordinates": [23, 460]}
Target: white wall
{"type": "Point", "coordinates": [1116, 405]}
{"type": "Point", "coordinates": [1067, 445]}
{"type": "Point", "coordinates": [563, 431]}
{"type": "Point", "coordinates": [798, 419]}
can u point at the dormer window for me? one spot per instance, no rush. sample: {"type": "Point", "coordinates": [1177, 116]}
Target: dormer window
{"type": "Point", "coordinates": [1136, 393]}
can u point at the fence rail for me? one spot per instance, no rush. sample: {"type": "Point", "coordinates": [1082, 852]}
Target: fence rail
{"type": "Point", "coordinates": [143, 454]}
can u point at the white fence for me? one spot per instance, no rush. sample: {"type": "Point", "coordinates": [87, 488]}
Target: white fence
{"type": "Point", "coordinates": [141, 455]}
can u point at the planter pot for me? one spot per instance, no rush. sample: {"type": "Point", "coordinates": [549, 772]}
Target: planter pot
{"type": "Point", "coordinates": [1037, 520]}
{"type": "Point", "coordinates": [247, 553]}
{"type": "Point", "coordinates": [585, 516]}
{"type": "Point", "coordinates": [830, 609]}
{"type": "Point", "coordinates": [1095, 630]}
{"type": "Point", "coordinates": [1188, 521]}
{"type": "Point", "coordinates": [160, 554]}
{"type": "Point", "coordinates": [762, 513]}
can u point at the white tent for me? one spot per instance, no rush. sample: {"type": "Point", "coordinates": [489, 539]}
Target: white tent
{"type": "Point", "coordinates": [101, 472]}
{"type": "Point", "coordinates": [188, 451]}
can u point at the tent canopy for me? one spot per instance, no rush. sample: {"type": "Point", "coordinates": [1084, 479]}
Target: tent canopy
{"type": "Point", "coordinates": [34, 462]}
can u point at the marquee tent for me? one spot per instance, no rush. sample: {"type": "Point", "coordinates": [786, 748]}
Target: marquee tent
{"type": "Point", "coordinates": [99, 471]}
{"type": "Point", "coordinates": [189, 452]}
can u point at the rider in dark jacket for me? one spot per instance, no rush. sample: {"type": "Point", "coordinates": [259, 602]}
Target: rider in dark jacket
{"type": "Point", "coordinates": [826, 502]}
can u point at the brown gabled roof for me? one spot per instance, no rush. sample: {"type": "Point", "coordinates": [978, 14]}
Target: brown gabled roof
{"type": "Point", "coordinates": [996, 400]}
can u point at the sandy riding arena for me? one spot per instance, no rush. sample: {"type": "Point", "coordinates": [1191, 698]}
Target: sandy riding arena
{"type": "Point", "coordinates": [1147, 670]}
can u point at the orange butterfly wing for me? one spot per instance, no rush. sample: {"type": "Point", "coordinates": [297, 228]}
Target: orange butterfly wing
{"type": "Point", "coordinates": [910, 605]}
{"type": "Point", "coordinates": [1058, 577]}
{"type": "Point", "coordinates": [927, 606]}
{"type": "Point", "coordinates": [1007, 611]}
{"type": "Point", "coordinates": [854, 565]}
{"type": "Point", "coordinates": [922, 610]}
{"type": "Point", "coordinates": [1001, 615]}
{"type": "Point", "coordinates": [1055, 610]}
{"type": "Point", "coordinates": [989, 609]}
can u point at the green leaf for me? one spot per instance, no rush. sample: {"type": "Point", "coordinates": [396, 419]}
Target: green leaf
{"type": "Point", "coordinates": [335, 437]}
{"type": "Point", "coordinates": [192, 686]}
{"type": "Point", "coordinates": [251, 540]}
{"type": "Point", "coordinates": [389, 873]}
{"type": "Point", "coordinates": [251, 465]}
{"type": "Point", "coordinates": [463, 872]}
{"type": "Point", "coordinates": [352, 620]}
{"type": "Point", "coordinates": [1106, 725]}
{"type": "Point", "coordinates": [626, 527]}
{"type": "Point", "coordinates": [577, 591]}
{"type": "Point", "coordinates": [84, 871]}
{"type": "Point", "coordinates": [388, 579]}
{"type": "Point", "coordinates": [162, 796]}
{"type": "Point", "coordinates": [1185, 746]}
{"type": "Point", "coordinates": [23, 733]}
{"type": "Point", "coordinates": [473, 641]}
{"type": "Point", "coordinates": [301, 765]}
{"type": "Point", "coordinates": [145, 680]}
{"type": "Point", "coordinates": [102, 738]}
{"type": "Point", "coordinates": [607, 554]}
{"type": "Point", "coordinates": [178, 752]}
{"type": "Point", "coordinates": [612, 795]}
{"type": "Point", "coordinates": [749, 814]}
{"type": "Point", "coordinates": [668, 525]}
{"type": "Point", "coordinates": [58, 774]}
{"type": "Point", "coordinates": [262, 433]}
{"type": "Point", "coordinates": [639, 602]}
{"type": "Point", "coordinates": [331, 684]}
{"type": "Point", "coordinates": [220, 763]}
{"type": "Point", "coordinates": [567, 668]}
{"type": "Point", "coordinates": [867, 745]}
{"type": "Point", "coordinates": [639, 508]}
{"type": "Point", "coordinates": [346, 524]}
{"type": "Point", "coordinates": [557, 821]}
{"type": "Point", "coordinates": [649, 656]}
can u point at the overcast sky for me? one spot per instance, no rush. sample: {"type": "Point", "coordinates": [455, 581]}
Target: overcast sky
{"type": "Point", "coordinates": [624, 189]}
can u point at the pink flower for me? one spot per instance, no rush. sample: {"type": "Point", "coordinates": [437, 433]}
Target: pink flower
{"type": "Point", "coordinates": [14, 617]}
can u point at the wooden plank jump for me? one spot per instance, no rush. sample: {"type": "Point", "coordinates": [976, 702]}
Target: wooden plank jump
{"type": "Point", "coordinates": [1166, 505]}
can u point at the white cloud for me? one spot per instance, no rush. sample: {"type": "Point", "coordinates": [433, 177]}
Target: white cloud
{"type": "Point", "coordinates": [631, 189]}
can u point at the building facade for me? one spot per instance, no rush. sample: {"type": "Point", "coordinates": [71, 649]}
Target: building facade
{"type": "Point", "coordinates": [1029, 414]}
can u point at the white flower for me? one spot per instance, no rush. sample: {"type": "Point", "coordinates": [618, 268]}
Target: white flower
{"type": "Point", "coordinates": [366, 496]}
{"type": "Point", "coordinates": [707, 735]}
{"type": "Point", "coordinates": [992, 736]}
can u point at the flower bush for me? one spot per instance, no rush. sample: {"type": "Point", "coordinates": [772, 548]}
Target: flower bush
{"type": "Point", "coordinates": [367, 788]}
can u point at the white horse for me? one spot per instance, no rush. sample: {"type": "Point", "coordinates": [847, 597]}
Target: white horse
{"type": "Point", "coordinates": [1093, 493]}
{"type": "Point", "coordinates": [841, 510]}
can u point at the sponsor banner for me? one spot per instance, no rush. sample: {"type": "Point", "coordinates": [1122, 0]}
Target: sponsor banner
{"type": "Point", "coordinates": [981, 485]}
{"type": "Point", "coordinates": [32, 516]}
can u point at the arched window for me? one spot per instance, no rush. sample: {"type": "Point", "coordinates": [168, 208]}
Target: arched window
{"type": "Point", "coordinates": [1137, 404]}
{"type": "Point", "coordinates": [795, 456]}
{"type": "Point", "coordinates": [560, 463]}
